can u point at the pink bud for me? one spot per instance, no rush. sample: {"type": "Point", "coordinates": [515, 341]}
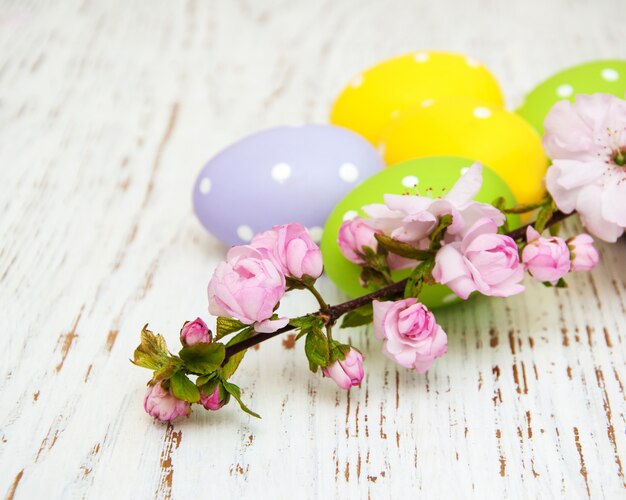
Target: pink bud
{"type": "Point", "coordinates": [195, 332]}
{"type": "Point", "coordinates": [583, 254]}
{"type": "Point", "coordinates": [353, 236]}
{"type": "Point", "coordinates": [347, 372]}
{"type": "Point", "coordinates": [212, 402]}
{"type": "Point", "coordinates": [162, 405]}
{"type": "Point", "coordinates": [547, 259]}
{"type": "Point", "coordinates": [293, 250]}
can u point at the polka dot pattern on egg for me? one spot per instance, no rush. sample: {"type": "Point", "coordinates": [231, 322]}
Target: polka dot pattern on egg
{"type": "Point", "coordinates": [410, 181]}
{"type": "Point", "coordinates": [281, 172]}
{"type": "Point", "coordinates": [348, 172]}
{"type": "Point", "coordinates": [610, 75]}
{"type": "Point", "coordinates": [316, 233]}
{"type": "Point", "coordinates": [350, 214]}
{"type": "Point", "coordinates": [205, 185]}
{"type": "Point", "coordinates": [482, 112]}
{"type": "Point", "coordinates": [421, 57]}
{"type": "Point", "coordinates": [245, 233]}
{"type": "Point", "coordinates": [564, 90]}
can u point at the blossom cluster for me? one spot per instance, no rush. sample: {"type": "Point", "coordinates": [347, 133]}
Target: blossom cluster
{"type": "Point", "coordinates": [452, 240]}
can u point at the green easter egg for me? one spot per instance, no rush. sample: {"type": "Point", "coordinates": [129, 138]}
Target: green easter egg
{"type": "Point", "coordinates": [415, 177]}
{"type": "Point", "coordinates": [608, 77]}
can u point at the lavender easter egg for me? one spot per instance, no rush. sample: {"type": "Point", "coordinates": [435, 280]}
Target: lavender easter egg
{"type": "Point", "coordinates": [281, 175]}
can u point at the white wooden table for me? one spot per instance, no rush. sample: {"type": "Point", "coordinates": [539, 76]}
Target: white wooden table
{"type": "Point", "coordinates": [107, 112]}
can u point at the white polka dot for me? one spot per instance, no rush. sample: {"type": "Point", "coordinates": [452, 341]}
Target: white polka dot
{"type": "Point", "coordinates": [472, 63]}
{"type": "Point", "coordinates": [449, 298]}
{"type": "Point", "coordinates": [482, 112]}
{"type": "Point", "coordinates": [316, 233]}
{"type": "Point", "coordinates": [205, 185]}
{"type": "Point", "coordinates": [350, 214]}
{"type": "Point", "coordinates": [245, 233]}
{"type": "Point", "coordinates": [564, 90]}
{"type": "Point", "coordinates": [395, 113]}
{"type": "Point", "coordinates": [281, 172]}
{"type": "Point", "coordinates": [464, 170]}
{"type": "Point", "coordinates": [410, 181]}
{"type": "Point", "coordinates": [421, 57]}
{"type": "Point", "coordinates": [348, 172]}
{"type": "Point", "coordinates": [357, 81]}
{"type": "Point", "coordinates": [610, 75]}
{"type": "Point", "coordinates": [427, 103]}
{"type": "Point", "coordinates": [381, 148]}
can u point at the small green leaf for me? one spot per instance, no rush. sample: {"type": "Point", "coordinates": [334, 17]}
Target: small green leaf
{"type": "Point", "coordinates": [358, 317]}
{"type": "Point", "coordinates": [226, 326]}
{"type": "Point", "coordinates": [209, 387]}
{"type": "Point", "coordinates": [544, 216]}
{"type": "Point", "coordinates": [437, 233]}
{"type": "Point", "coordinates": [203, 379]}
{"type": "Point", "coordinates": [203, 358]}
{"type": "Point", "coordinates": [183, 388]}
{"type": "Point", "coordinates": [235, 392]}
{"type": "Point", "coordinates": [233, 362]}
{"type": "Point", "coordinates": [152, 353]}
{"type": "Point", "coordinates": [422, 273]}
{"type": "Point", "coordinates": [338, 352]}
{"type": "Point", "coordinates": [402, 249]}
{"type": "Point", "coordinates": [163, 373]}
{"type": "Point", "coordinates": [316, 349]}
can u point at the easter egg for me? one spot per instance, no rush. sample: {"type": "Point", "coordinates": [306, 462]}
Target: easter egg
{"type": "Point", "coordinates": [608, 77]}
{"type": "Point", "coordinates": [375, 96]}
{"type": "Point", "coordinates": [417, 176]}
{"type": "Point", "coordinates": [281, 175]}
{"type": "Point", "coordinates": [471, 129]}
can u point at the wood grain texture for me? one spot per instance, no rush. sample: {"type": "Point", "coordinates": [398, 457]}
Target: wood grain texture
{"type": "Point", "coordinates": [107, 112]}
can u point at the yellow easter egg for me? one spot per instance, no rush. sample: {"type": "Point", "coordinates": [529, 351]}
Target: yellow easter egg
{"type": "Point", "coordinates": [378, 94]}
{"type": "Point", "coordinates": [474, 129]}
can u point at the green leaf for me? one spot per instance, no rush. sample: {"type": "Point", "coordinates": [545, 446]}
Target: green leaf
{"type": "Point", "coordinates": [163, 373]}
{"type": "Point", "coordinates": [203, 379]}
{"type": "Point", "coordinates": [544, 216]}
{"type": "Point", "coordinates": [555, 229]}
{"type": "Point", "coordinates": [203, 358]}
{"type": "Point", "coordinates": [437, 233]}
{"type": "Point", "coordinates": [226, 326]}
{"type": "Point", "coordinates": [419, 275]}
{"type": "Point", "coordinates": [235, 392]}
{"type": "Point", "coordinates": [316, 349]}
{"type": "Point", "coordinates": [338, 352]}
{"type": "Point", "coordinates": [233, 362]}
{"type": "Point", "coordinates": [183, 388]}
{"type": "Point", "coordinates": [152, 353]}
{"type": "Point", "coordinates": [358, 317]}
{"type": "Point", "coordinates": [209, 387]}
{"type": "Point", "coordinates": [402, 249]}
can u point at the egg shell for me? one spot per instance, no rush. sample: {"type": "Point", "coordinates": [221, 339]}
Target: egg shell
{"type": "Point", "coordinates": [378, 94]}
{"type": "Point", "coordinates": [438, 174]}
{"type": "Point", "coordinates": [606, 76]}
{"type": "Point", "coordinates": [471, 129]}
{"type": "Point", "coordinates": [281, 175]}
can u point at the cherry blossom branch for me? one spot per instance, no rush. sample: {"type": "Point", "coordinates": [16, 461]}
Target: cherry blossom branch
{"type": "Point", "coordinates": [332, 313]}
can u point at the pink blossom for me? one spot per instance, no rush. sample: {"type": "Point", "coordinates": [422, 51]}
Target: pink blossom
{"type": "Point", "coordinates": [411, 219]}
{"type": "Point", "coordinates": [293, 249]}
{"type": "Point", "coordinates": [546, 259]}
{"type": "Point", "coordinates": [163, 406]}
{"type": "Point", "coordinates": [248, 286]}
{"type": "Point", "coordinates": [213, 401]}
{"type": "Point", "coordinates": [483, 260]}
{"type": "Point", "coordinates": [584, 255]}
{"type": "Point", "coordinates": [346, 372]}
{"type": "Point", "coordinates": [587, 143]}
{"type": "Point", "coordinates": [412, 338]}
{"type": "Point", "coordinates": [355, 234]}
{"type": "Point", "coordinates": [195, 332]}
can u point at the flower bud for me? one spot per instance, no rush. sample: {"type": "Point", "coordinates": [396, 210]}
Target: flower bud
{"type": "Point", "coordinates": [583, 254]}
{"type": "Point", "coordinates": [346, 372]}
{"type": "Point", "coordinates": [213, 401]}
{"type": "Point", "coordinates": [162, 405]}
{"type": "Point", "coordinates": [195, 332]}
{"type": "Point", "coordinates": [547, 259]}
{"type": "Point", "coordinates": [355, 234]}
